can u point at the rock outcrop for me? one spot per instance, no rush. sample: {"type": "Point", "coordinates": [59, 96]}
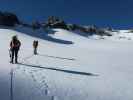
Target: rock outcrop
{"type": "Point", "coordinates": [8, 19]}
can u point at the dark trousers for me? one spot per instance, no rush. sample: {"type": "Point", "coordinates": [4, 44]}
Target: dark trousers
{"type": "Point", "coordinates": [14, 53]}
{"type": "Point", "coordinates": [35, 51]}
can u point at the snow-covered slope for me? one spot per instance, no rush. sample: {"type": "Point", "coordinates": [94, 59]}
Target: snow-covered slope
{"type": "Point", "coordinates": [86, 69]}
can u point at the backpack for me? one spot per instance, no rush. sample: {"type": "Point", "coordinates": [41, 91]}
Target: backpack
{"type": "Point", "coordinates": [35, 44]}
{"type": "Point", "coordinates": [15, 44]}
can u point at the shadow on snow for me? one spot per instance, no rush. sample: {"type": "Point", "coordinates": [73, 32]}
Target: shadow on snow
{"type": "Point", "coordinates": [63, 58]}
{"type": "Point", "coordinates": [61, 70]}
{"type": "Point", "coordinates": [42, 35]}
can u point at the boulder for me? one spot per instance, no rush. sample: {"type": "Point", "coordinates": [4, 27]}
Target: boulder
{"type": "Point", "coordinates": [55, 22]}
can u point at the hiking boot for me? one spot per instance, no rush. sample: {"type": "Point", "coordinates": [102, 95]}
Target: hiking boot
{"type": "Point", "coordinates": [16, 62]}
{"type": "Point", "coordinates": [11, 62]}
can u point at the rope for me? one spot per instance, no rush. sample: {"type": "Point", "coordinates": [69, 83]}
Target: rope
{"type": "Point", "coordinates": [11, 85]}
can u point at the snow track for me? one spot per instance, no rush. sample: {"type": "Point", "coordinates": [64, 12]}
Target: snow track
{"type": "Point", "coordinates": [42, 86]}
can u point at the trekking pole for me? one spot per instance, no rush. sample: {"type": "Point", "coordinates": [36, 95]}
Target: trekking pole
{"type": "Point", "coordinates": [10, 55]}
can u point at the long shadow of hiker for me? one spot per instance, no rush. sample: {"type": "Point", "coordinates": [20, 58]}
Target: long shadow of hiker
{"type": "Point", "coordinates": [42, 35]}
{"type": "Point", "coordinates": [61, 70]}
{"type": "Point", "coordinates": [63, 58]}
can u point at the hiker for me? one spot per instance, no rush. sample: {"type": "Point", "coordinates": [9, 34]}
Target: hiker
{"type": "Point", "coordinates": [35, 45]}
{"type": "Point", "coordinates": [14, 48]}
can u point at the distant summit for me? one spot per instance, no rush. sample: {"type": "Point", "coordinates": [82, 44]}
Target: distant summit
{"type": "Point", "coordinates": [11, 20]}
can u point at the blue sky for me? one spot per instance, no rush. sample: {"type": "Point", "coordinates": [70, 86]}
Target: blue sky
{"type": "Point", "coordinates": [115, 13]}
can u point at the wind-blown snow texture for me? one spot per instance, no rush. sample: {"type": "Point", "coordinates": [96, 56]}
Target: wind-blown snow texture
{"type": "Point", "coordinates": [93, 68]}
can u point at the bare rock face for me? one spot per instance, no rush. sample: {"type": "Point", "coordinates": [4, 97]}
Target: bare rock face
{"type": "Point", "coordinates": [55, 22]}
{"type": "Point", "coordinates": [36, 25]}
{"type": "Point", "coordinates": [8, 19]}
{"type": "Point", "coordinates": [88, 30]}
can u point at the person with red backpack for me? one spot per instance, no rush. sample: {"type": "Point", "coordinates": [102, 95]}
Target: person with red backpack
{"type": "Point", "coordinates": [14, 48]}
